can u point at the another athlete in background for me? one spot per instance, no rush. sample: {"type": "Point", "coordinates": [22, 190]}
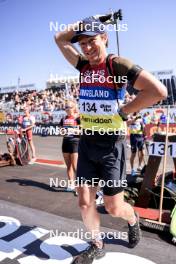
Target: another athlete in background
{"type": "Point", "coordinates": [27, 122]}
{"type": "Point", "coordinates": [136, 129]}
{"type": "Point", "coordinates": [70, 124]}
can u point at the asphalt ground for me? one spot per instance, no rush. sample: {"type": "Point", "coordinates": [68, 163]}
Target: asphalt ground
{"type": "Point", "coordinates": [36, 209]}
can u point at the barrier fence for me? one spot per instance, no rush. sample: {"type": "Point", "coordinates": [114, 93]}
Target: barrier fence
{"type": "Point", "coordinates": [51, 129]}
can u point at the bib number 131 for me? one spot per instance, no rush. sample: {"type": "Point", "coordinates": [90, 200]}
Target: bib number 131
{"type": "Point", "coordinates": [158, 149]}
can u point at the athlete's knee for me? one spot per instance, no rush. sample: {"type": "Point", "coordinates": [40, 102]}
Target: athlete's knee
{"type": "Point", "coordinates": [85, 205]}
{"type": "Point", "coordinates": [114, 210]}
{"type": "Point", "coordinates": [141, 152]}
{"type": "Point", "coordinates": [69, 167]}
{"type": "Point", "coordinates": [133, 153]}
{"type": "Point", "coordinates": [74, 166]}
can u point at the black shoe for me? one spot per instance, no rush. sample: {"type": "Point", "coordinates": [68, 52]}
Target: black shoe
{"type": "Point", "coordinates": [134, 233]}
{"type": "Point", "coordinates": [89, 254]}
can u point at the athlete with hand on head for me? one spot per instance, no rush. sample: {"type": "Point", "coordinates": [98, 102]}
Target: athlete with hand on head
{"type": "Point", "coordinates": [103, 157]}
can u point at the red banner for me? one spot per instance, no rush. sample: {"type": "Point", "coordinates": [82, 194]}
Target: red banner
{"type": "Point", "coordinates": [150, 129]}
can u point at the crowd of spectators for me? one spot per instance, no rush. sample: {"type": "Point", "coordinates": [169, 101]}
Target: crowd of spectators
{"type": "Point", "coordinates": [47, 100]}
{"type": "Point", "coordinates": [54, 99]}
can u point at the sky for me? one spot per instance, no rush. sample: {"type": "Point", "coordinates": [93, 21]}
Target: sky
{"type": "Point", "coordinates": [28, 50]}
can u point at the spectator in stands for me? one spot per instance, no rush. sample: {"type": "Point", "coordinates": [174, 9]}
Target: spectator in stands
{"type": "Point", "coordinates": [121, 92]}
{"type": "Point", "coordinates": [40, 101]}
{"type": "Point", "coordinates": [155, 118]}
{"type": "Point", "coordinates": [146, 118]}
{"type": "Point", "coordinates": [163, 118]}
{"type": "Point", "coordinates": [127, 98]}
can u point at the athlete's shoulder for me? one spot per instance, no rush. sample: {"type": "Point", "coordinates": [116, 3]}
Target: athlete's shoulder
{"type": "Point", "coordinates": [122, 62]}
{"type": "Point", "coordinates": [126, 67]}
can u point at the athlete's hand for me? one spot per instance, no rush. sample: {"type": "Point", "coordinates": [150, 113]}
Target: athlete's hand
{"type": "Point", "coordinates": [123, 115]}
{"type": "Point", "coordinates": [23, 130]}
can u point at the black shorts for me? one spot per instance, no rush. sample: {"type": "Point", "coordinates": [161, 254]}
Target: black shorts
{"type": "Point", "coordinates": [136, 142]}
{"type": "Point", "coordinates": [102, 162]}
{"type": "Point", "coordinates": [70, 145]}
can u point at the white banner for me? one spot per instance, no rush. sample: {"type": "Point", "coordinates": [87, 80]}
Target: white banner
{"type": "Point", "coordinates": [14, 88]}
{"type": "Point", "coordinates": [159, 111]}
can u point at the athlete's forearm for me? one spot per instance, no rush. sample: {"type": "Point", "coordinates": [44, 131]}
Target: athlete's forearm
{"type": "Point", "coordinates": [68, 33]}
{"type": "Point", "coordinates": [151, 91]}
{"type": "Point", "coordinates": [28, 128]}
{"type": "Point", "coordinates": [139, 103]}
{"type": "Point", "coordinates": [63, 41]}
{"type": "Point", "coordinates": [143, 100]}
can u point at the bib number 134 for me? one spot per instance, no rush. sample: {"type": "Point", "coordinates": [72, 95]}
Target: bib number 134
{"type": "Point", "coordinates": [89, 107]}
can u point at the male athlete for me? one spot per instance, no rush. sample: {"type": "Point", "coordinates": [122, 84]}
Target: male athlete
{"type": "Point", "coordinates": [102, 146]}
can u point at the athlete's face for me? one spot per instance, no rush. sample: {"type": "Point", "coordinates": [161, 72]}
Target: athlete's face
{"type": "Point", "coordinates": [26, 112]}
{"type": "Point", "coordinates": [94, 48]}
{"type": "Point", "coordinates": [69, 108]}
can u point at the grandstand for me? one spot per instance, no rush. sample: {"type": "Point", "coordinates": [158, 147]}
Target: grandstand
{"type": "Point", "coordinates": [170, 83]}
{"type": "Point", "coordinates": [168, 78]}
{"type": "Point", "coordinates": [53, 98]}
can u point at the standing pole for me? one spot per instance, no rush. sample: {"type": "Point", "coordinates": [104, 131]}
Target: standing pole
{"type": "Point", "coordinates": [164, 167]}
{"type": "Point", "coordinates": [112, 18]}
{"type": "Point", "coordinates": [117, 16]}
{"type": "Point", "coordinates": [117, 37]}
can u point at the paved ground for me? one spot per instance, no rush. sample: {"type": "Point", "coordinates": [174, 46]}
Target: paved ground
{"type": "Point", "coordinates": [37, 209]}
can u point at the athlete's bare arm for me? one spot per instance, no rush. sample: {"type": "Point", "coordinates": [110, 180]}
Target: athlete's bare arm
{"type": "Point", "coordinates": [67, 48]}
{"type": "Point", "coordinates": [151, 91]}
